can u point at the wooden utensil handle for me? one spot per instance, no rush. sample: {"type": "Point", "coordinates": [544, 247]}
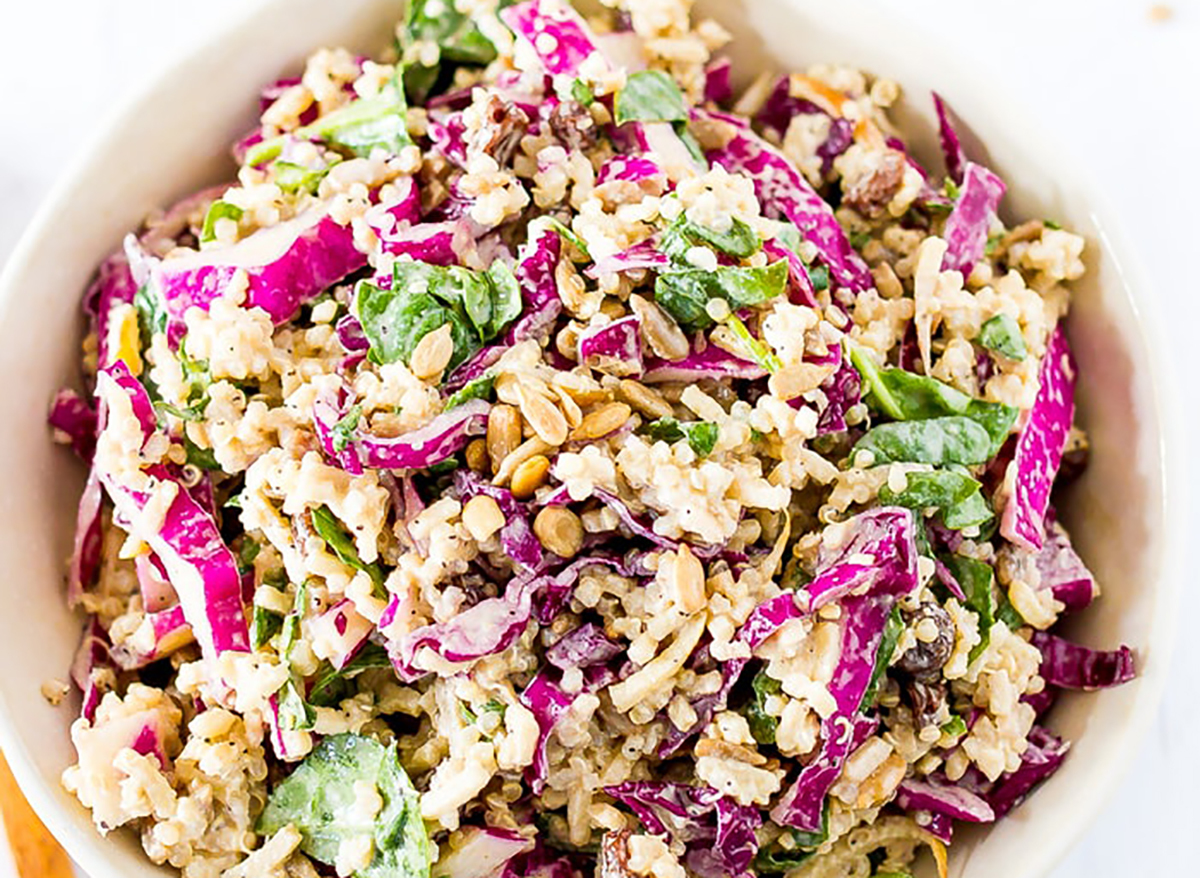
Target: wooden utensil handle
{"type": "Point", "coordinates": [36, 852]}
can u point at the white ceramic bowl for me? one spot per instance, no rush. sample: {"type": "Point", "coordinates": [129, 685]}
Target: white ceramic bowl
{"type": "Point", "coordinates": [173, 139]}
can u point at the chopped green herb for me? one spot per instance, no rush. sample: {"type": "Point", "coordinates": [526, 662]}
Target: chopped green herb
{"type": "Point", "coordinates": [203, 458]}
{"type": "Point", "coordinates": [581, 92]}
{"type": "Point", "coordinates": [858, 240]}
{"type": "Point", "coordinates": [218, 211]}
{"type": "Point", "coordinates": [954, 727]}
{"type": "Point", "coordinates": [936, 441]}
{"type": "Point", "coordinates": [343, 431]}
{"type": "Point", "coordinates": [335, 535]}
{"type": "Point", "coordinates": [1051, 224]}
{"type": "Point", "coordinates": [754, 348]}
{"type": "Point", "coordinates": [819, 275]}
{"type": "Point", "coordinates": [906, 396]}
{"type": "Point", "coordinates": [564, 231]}
{"type": "Point", "coordinates": [1002, 335]}
{"type": "Point", "coordinates": [263, 626]}
{"type": "Point", "coordinates": [331, 686]}
{"type": "Point", "coordinates": [295, 714]}
{"type": "Point", "coordinates": [762, 724]}
{"type": "Point", "coordinates": [887, 647]}
{"type": "Point", "coordinates": [424, 298]}
{"type": "Point", "coordinates": [701, 435]}
{"type": "Point", "coordinates": [152, 313]}
{"type": "Point", "coordinates": [478, 388]}
{"type": "Point", "coordinates": [358, 128]}
{"type": "Point", "coordinates": [291, 177]}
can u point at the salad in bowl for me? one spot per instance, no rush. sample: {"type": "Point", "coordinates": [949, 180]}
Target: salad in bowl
{"type": "Point", "coordinates": [545, 459]}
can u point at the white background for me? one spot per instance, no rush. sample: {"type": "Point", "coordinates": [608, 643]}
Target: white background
{"type": "Point", "coordinates": [1120, 87]}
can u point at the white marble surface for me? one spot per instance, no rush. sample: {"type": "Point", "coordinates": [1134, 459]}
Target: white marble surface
{"type": "Point", "coordinates": [1118, 86]}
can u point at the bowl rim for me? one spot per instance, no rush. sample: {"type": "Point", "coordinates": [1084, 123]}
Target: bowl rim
{"type": "Point", "coordinates": [85, 846]}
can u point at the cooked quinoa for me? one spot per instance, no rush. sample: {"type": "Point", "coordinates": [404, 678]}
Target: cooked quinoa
{"type": "Point", "coordinates": [543, 460]}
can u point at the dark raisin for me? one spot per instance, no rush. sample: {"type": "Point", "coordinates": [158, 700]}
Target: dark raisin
{"type": "Point", "coordinates": [925, 699]}
{"type": "Point", "coordinates": [572, 123]}
{"type": "Point", "coordinates": [926, 659]}
{"type": "Point", "coordinates": [870, 195]}
{"type": "Point", "coordinates": [501, 132]}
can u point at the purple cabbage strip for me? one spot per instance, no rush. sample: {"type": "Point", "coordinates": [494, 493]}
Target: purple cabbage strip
{"type": "Point", "coordinates": [285, 265]}
{"type": "Point", "coordinates": [85, 554]}
{"type": "Point", "coordinates": [800, 288]}
{"type": "Point", "coordinates": [540, 862]}
{"type": "Point", "coordinates": [632, 169]}
{"type": "Point", "coordinates": [74, 419]}
{"type": "Point", "coordinates": [445, 243]}
{"type": "Point", "coordinates": [326, 415]}
{"type": "Point", "coordinates": [539, 290]}
{"type": "Point", "coordinates": [956, 158]}
{"type": "Point", "coordinates": [614, 348]}
{"type": "Point", "coordinates": [966, 229]}
{"type": "Point", "coordinates": [188, 542]}
{"type": "Point", "coordinates": [946, 578]}
{"type": "Point", "coordinates": [114, 285]}
{"type": "Point", "coordinates": [763, 621]}
{"type": "Point", "coordinates": [780, 108]}
{"type": "Point", "coordinates": [940, 827]}
{"type": "Point", "coordinates": [548, 703]}
{"type": "Point", "coordinates": [1040, 444]}
{"type": "Point", "coordinates": [551, 591]}
{"type": "Point", "coordinates": [641, 256]}
{"type": "Point", "coordinates": [1072, 666]}
{"type": "Point", "coordinates": [171, 631]}
{"type": "Point", "coordinates": [440, 439]}
{"type": "Point", "coordinates": [784, 193]}
{"type": "Point", "coordinates": [583, 647]}
{"type": "Point", "coordinates": [718, 832]}
{"type": "Point", "coordinates": [712, 362]}
{"type": "Point", "coordinates": [718, 85]}
{"type": "Point", "coordinates": [488, 627]}
{"type": "Point", "coordinates": [868, 593]}
{"type": "Point", "coordinates": [1041, 759]}
{"type": "Point", "coordinates": [568, 43]}
{"type": "Point", "coordinates": [350, 334]}
{"type": "Point", "coordinates": [952, 801]}
{"type": "Point", "coordinates": [1062, 571]}
{"type": "Point", "coordinates": [843, 391]}
{"type": "Point", "coordinates": [516, 537]}
{"type": "Point", "coordinates": [92, 656]}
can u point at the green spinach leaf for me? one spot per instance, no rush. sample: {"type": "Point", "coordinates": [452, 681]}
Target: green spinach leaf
{"type": "Point", "coordinates": [936, 441]}
{"type": "Point", "coordinates": [650, 96]}
{"type": "Point", "coordinates": [738, 241]}
{"type": "Point", "coordinates": [957, 496]}
{"type": "Point", "coordinates": [685, 292]}
{"type": "Point", "coordinates": [319, 798]}
{"type": "Point", "coordinates": [975, 578]}
{"type": "Point", "coordinates": [906, 396]}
